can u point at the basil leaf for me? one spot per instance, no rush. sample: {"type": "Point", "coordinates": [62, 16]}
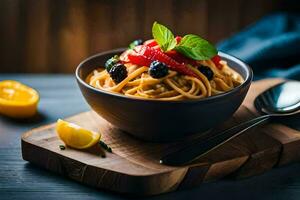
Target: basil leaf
{"type": "Point", "coordinates": [196, 48]}
{"type": "Point", "coordinates": [163, 36]}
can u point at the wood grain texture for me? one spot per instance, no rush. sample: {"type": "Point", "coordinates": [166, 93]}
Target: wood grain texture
{"type": "Point", "coordinates": [55, 35]}
{"type": "Point", "coordinates": [133, 166]}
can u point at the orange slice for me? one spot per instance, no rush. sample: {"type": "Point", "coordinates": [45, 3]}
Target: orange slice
{"type": "Point", "coordinates": [75, 136]}
{"type": "Point", "coordinates": [17, 100]}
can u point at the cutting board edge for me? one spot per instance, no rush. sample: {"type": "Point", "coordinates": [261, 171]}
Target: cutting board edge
{"type": "Point", "coordinates": [29, 133]}
{"type": "Point", "coordinates": [145, 187]}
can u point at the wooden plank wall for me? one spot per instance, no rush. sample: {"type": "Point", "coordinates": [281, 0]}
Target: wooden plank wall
{"type": "Point", "coordinates": [51, 36]}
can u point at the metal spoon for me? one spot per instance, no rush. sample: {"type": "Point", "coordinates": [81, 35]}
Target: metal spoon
{"type": "Point", "coordinates": [277, 102]}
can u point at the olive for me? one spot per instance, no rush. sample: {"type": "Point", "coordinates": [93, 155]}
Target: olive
{"type": "Point", "coordinates": [206, 71]}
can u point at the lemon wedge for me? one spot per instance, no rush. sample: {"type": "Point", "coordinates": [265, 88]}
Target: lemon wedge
{"type": "Point", "coordinates": [17, 100]}
{"type": "Point", "coordinates": [75, 136]}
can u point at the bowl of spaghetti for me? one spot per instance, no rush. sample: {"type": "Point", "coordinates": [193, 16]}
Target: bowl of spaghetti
{"type": "Point", "coordinates": [162, 93]}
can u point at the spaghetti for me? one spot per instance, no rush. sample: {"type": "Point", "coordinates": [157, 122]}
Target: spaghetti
{"type": "Point", "coordinates": [174, 86]}
{"type": "Point", "coordinates": [166, 68]}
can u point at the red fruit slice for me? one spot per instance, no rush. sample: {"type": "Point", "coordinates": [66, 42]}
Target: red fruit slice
{"type": "Point", "coordinates": [216, 59]}
{"type": "Point", "coordinates": [181, 58]}
{"type": "Point", "coordinates": [157, 47]}
{"type": "Point", "coordinates": [150, 43]}
{"type": "Point", "coordinates": [144, 55]}
{"type": "Point", "coordinates": [138, 59]}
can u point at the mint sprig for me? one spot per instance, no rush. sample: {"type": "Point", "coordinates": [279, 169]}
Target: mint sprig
{"type": "Point", "coordinates": [163, 36]}
{"type": "Point", "coordinates": [192, 46]}
{"type": "Point", "coordinates": [195, 47]}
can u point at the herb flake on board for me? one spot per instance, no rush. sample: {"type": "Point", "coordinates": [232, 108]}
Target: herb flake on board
{"type": "Point", "coordinates": [105, 146]}
{"type": "Point", "coordinates": [62, 147]}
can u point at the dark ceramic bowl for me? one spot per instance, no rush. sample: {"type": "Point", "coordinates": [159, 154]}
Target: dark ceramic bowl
{"type": "Point", "coordinates": [160, 121]}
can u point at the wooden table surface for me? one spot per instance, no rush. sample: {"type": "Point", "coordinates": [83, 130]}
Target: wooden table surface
{"type": "Point", "coordinates": [60, 98]}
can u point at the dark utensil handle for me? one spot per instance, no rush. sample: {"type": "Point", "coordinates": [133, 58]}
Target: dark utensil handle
{"type": "Point", "coordinates": [197, 149]}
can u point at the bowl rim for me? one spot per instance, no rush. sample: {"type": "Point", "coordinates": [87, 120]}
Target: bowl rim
{"type": "Point", "coordinates": [247, 81]}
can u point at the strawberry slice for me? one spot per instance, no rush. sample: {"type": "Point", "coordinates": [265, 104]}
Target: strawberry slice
{"type": "Point", "coordinates": [144, 55]}
{"type": "Point", "coordinates": [181, 58]}
{"type": "Point", "coordinates": [139, 59]}
{"type": "Point", "coordinates": [150, 43]}
{"type": "Point", "coordinates": [216, 59]}
{"type": "Point", "coordinates": [124, 56]}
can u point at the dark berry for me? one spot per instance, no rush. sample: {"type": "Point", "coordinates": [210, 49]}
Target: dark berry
{"type": "Point", "coordinates": [118, 72]}
{"type": "Point", "coordinates": [206, 71]}
{"type": "Point", "coordinates": [135, 43]}
{"type": "Point", "coordinates": [111, 62]}
{"type": "Point", "coordinates": [158, 69]}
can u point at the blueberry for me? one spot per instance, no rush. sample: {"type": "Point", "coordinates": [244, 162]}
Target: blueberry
{"type": "Point", "coordinates": [158, 69]}
{"type": "Point", "coordinates": [206, 71]}
{"type": "Point", "coordinates": [111, 62]}
{"type": "Point", "coordinates": [135, 43]}
{"type": "Point", "coordinates": [118, 72]}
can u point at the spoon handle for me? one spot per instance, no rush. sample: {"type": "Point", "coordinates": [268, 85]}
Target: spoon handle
{"type": "Point", "coordinates": [197, 149]}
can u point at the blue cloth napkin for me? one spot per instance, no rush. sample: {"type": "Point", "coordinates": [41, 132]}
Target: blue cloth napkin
{"type": "Point", "coordinates": [271, 46]}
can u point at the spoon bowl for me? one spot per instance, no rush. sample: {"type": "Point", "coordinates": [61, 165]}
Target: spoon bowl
{"type": "Point", "coordinates": [283, 98]}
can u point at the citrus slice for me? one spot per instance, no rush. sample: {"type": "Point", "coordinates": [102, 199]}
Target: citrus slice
{"type": "Point", "coordinates": [17, 100]}
{"type": "Point", "coordinates": [75, 136]}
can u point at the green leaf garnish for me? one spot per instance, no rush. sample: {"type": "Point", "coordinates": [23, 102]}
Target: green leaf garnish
{"type": "Point", "coordinates": [163, 36]}
{"type": "Point", "coordinates": [195, 47]}
{"type": "Point", "coordinates": [111, 62]}
{"type": "Point", "coordinates": [191, 46]}
{"type": "Point", "coordinates": [135, 43]}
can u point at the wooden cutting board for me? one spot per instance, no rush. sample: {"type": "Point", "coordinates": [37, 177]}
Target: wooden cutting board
{"type": "Point", "coordinates": [133, 166]}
